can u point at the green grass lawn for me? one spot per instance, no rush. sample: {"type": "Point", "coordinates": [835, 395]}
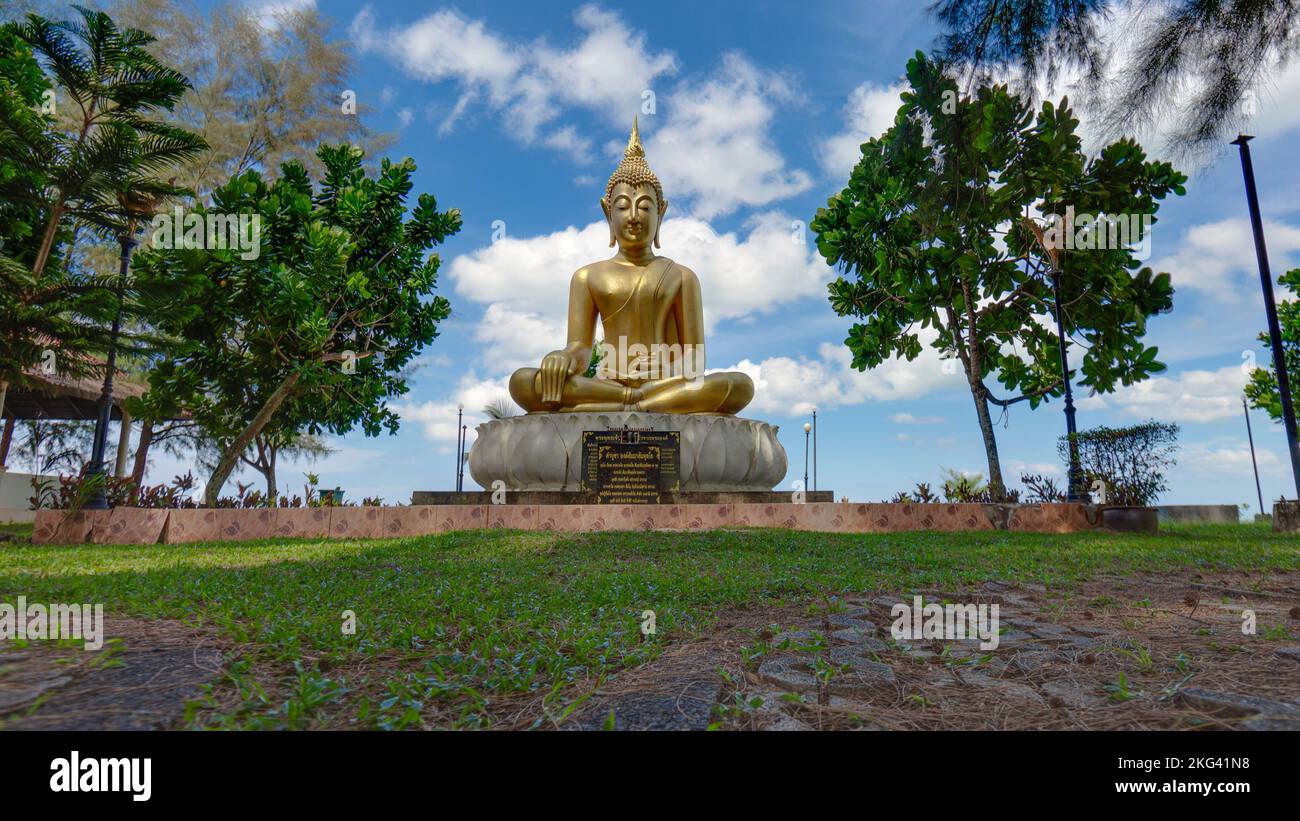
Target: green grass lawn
{"type": "Point", "coordinates": [467, 620]}
{"type": "Point", "coordinates": [22, 530]}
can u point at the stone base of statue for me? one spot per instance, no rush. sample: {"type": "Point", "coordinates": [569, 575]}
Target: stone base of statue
{"type": "Point", "coordinates": [543, 451]}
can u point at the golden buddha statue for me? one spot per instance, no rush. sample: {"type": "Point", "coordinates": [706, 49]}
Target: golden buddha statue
{"type": "Point", "coordinates": [652, 315]}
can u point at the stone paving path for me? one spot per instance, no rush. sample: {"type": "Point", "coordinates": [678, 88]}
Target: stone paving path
{"type": "Point", "coordinates": [140, 680]}
{"type": "Point", "coordinates": [1094, 662]}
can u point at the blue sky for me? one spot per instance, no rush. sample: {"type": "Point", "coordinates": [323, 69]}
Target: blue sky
{"type": "Point", "coordinates": [516, 114]}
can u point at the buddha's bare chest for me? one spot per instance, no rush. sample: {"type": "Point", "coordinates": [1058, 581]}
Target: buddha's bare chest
{"type": "Point", "coordinates": [633, 296]}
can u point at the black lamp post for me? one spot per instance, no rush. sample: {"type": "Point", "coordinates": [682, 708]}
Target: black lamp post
{"type": "Point", "coordinates": [814, 443]}
{"type": "Point", "coordinates": [807, 428]}
{"type": "Point", "coordinates": [98, 500]}
{"type": "Point", "coordinates": [460, 467]}
{"type": "Point", "coordinates": [460, 412]}
{"type": "Point", "coordinates": [1075, 492]}
{"type": "Point", "coordinates": [1270, 308]}
{"type": "Point", "coordinates": [1251, 437]}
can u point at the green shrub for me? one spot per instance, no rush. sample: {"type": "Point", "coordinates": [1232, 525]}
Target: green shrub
{"type": "Point", "coordinates": [1130, 461]}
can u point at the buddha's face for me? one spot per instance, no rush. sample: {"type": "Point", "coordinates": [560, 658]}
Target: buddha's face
{"type": "Point", "coordinates": [633, 214]}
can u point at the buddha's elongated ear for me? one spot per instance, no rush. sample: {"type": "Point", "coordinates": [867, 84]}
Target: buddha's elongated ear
{"type": "Point", "coordinates": [663, 206]}
{"type": "Point", "coordinates": [604, 207]}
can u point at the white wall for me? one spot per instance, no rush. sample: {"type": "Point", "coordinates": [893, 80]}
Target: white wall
{"type": "Point", "coordinates": [15, 491]}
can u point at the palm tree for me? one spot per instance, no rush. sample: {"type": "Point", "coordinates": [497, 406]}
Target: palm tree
{"type": "Point", "coordinates": [500, 408]}
{"type": "Point", "coordinates": [1202, 60]}
{"type": "Point", "coordinates": [58, 179]}
{"type": "Point", "coordinates": [115, 85]}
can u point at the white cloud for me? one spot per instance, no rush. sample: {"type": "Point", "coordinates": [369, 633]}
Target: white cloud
{"type": "Point", "coordinates": [772, 265]}
{"type": "Point", "coordinates": [608, 71]}
{"type": "Point", "coordinates": [868, 113]}
{"type": "Point", "coordinates": [1218, 258]}
{"type": "Point", "coordinates": [529, 273]}
{"type": "Point", "coordinates": [445, 45]}
{"type": "Point", "coordinates": [514, 339]}
{"type": "Point", "coordinates": [1227, 456]}
{"type": "Point", "coordinates": [1013, 469]}
{"type": "Point", "coordinates": [1191, 396]}
{"type": "Point", "coordinates": [714, 148]}
{"type": "Point", "coordinates": [909, 419]}
{"type": "Point", "coordinates": [405, 116]}
{"type": "Point", "coordinates": [437, 419]}
{"type": "Point", "coordinates": [272, 15]}
{"type": "Point", "coordinates": [528, 84]}
{"type": "Point", "coordinates": [1273, 107]}
{"type": "Point", "coordinates": [569, 141]}
{"type": "Point", "coordinates": [794, 387]}
{"type": "Point", "coordinates": [525, 281]}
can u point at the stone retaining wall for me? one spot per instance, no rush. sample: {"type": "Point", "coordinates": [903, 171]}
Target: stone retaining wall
{"type": "Point", "coordinates": [1286, 516]}
{"type": "Point", "coordinates": [1199, 513]}
{"type": "Point", "coordinates": [126, 525]}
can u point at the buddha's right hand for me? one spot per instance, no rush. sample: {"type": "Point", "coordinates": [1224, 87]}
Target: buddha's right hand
{"type": "Point", "coordinates": [557, 367]}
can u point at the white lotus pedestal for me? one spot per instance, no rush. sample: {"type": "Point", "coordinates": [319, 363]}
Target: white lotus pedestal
{"type": "Point", "coordinates": [543, 451]}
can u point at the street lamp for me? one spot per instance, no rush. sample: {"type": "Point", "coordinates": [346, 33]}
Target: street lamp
{"type": "Point", "coordinates": [807, 428]}
{"type": "Point", "coordinates": [814, 440]}
{"type": "Point", "coordinates": [137, 209]}
{"type": "Point", "coordinates": [1075, 492]}
{"type": "Point", "coordinates": [460, 411]}
{"type": "Point", "coordinates": [460, 468]}
{"type": "Point", "coordinates": [1251, 437]}
{"type": "Point", "coordinates": [1270, 307]}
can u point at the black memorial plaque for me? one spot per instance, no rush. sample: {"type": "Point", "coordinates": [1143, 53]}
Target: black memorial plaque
{"type": "Point", "coordinates": [630, 466]}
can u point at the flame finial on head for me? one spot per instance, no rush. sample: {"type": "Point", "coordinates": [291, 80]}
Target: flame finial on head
{"type": "Point", "coordinates": [634, 148]}
{"type": "Point", "coordinates": [634, 170]}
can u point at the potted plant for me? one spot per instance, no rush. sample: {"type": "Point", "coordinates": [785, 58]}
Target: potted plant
{"type": "Point", "coordinates": [1125, 469]}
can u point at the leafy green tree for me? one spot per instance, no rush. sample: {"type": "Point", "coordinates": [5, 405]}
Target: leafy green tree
{"type": "Point", "coordinates": [1262, 389]}
{"type": "Point", "coordinates": [57, 320]}
{"type": "Point", "coordinates": [57, 315]}
{"type": "Point", "coordinates": [263, 456]}
{"type": "Point", "coordinates": [262, 95]}
{"type": "Point", "coordinates": [55, 179]}
{"type": "Point", "coordinates": [314, 333]}
{"type": "Point", "coordinates": [1202, 59]}
{"type": "Point", "coordinates": [916, 232]}
{"type": "Point", "coordinates": [24, 90]}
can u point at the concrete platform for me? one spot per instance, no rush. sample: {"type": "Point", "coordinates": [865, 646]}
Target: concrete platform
{"type": "Point", "coordinates": [1199, 513]}
{"type": "Point", "coordinates": [543, 451]}
{"type": "Point", "coordinates": [579, 497]}
{"type": "Point", "coordinates": [137, 526]}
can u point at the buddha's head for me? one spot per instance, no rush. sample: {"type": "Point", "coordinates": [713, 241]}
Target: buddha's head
{"type": "Point", "coordinates": [634, 201]}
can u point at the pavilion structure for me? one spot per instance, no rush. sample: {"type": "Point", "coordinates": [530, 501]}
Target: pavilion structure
{"type": "Point", "coordinates": [56, 397]}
